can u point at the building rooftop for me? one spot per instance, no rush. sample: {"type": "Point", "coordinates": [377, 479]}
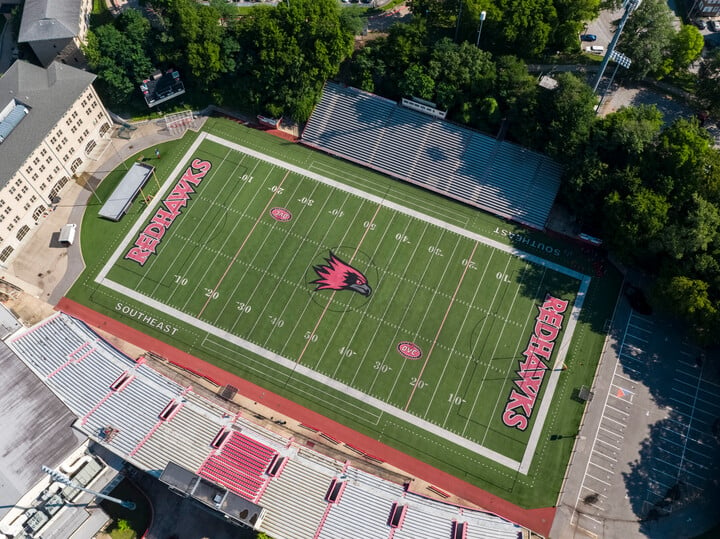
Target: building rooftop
{"type": "Point", "coordinates": [35, 429]}
{"type": "Point", "coordinates": [47, 94]}
{"type": "Point", "coordinates": [44, 20]}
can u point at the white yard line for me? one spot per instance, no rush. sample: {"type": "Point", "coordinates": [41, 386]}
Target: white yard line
{"type": "Point", "coordinates": [522, 467]}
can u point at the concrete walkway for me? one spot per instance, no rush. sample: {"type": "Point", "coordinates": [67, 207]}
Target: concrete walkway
{"type": "Point", "coordinates": [44, 268]}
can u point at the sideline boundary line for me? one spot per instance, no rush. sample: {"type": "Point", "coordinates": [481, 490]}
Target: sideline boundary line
{"type": "Point", "coordinates": [522, 466]}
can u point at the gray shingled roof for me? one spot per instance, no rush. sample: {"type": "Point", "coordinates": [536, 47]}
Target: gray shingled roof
{"type": "Point", "coordinates": [48, 93]}
{"type": "Point", "coordinates": [45, 20]}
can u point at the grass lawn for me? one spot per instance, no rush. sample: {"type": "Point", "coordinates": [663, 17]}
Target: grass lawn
{"type": "Point", "coordinates": [127, 524]}
{"type": "Point", "coordinates": [400, 313]}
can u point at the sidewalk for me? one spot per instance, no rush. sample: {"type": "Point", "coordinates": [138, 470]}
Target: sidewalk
{"type": "Point", "coordinates": [44, 268]}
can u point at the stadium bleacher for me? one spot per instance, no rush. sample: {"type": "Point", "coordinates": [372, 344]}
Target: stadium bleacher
{"type": "Point", "coordinates": [80, 368]}
{"type": "Point", "coordinates": [496, 176]}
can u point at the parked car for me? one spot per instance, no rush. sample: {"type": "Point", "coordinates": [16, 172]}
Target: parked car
{"type": "Point", "coordinates": [700, 24]}
{"type": "Point", "coordinates": [595, 49]}
{"type": "Point", "coordinates": [712, 26]}
{"type": "Point", "coordinates": [588, 37]}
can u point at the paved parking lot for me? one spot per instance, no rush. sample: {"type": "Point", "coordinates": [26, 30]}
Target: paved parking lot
{"type": "Point", "coordinates": [647, 463]}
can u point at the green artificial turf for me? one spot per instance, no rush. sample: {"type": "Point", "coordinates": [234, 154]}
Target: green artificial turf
{"type": "Point", "coordinates": [233, 285]}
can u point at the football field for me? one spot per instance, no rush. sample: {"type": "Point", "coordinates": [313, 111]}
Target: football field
{"type": "Point", "coordinates": [348, 300]}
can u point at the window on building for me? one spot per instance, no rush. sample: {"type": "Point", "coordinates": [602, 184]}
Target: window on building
{"type": "Point", "coordinates": [12, 190]}
{"type": "Point", "coordinates": [33, 198]}
{"type": "Point", "coordinates": [74, 114]}
{"type": "Point", "coordinates": [75, 165]}
{"type": "Point", "coordinates": [36, 176]}
{"type": "Point", "coordinates": [43, 152]}
{"type": "Point", "coordinates": [42, 169]}
{"type": "Point", "coordinates": [8, 210]}
{"type": "Point", "coordinates": [22, 232]}
{"type": "Point", "coordinates": [16, 219]}
{"type": "Point", "coordinates": [18, 182]}
{"type": "Point", "coordinates": [36, 161]}
{"type": "Point", "coordinates": [58, 186]}
{"type": "Point", "coordinates": [53, 140]}
{"type": "Point", "coordinates": [43, 186]}
{"type": "Point", "coordinates": [5, 254]}
{"type": "Point", "coordinates": [104, 129]}
{"type": "Point", "coordinates": [10, 227]}
{"type": "Point", "coordinates": [90, 147]}
{"type": "Point", "coordinates": [39, 211]}
{"type": "Point", "coordinates": [18, 197]}
{"type": "Point", "coordinates": [26, 207]}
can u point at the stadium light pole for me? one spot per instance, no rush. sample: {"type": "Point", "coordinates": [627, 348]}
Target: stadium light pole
{"type": "Point", "coordinates": [65, 480]}
{"type": "Point", "coordinates": [459, 18]}
{"type": "Point", "coordinates": [483, 15]}
{"type": "Point", "coordinates": [621, 60]}
{"type": "Point", "coordinates": [630, 6]}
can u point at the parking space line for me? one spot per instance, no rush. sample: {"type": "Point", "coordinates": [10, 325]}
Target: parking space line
{"type": "Point", "coordinates": [638, 338]}
{"type": "Point", "coordinates": [619, 435]}
{"type": "Point", "coordinates": [625, 367]}
{"type": "Point", "coordinates": [591, 518]}
{"type": "Point", "coordinates": [614, 421]}
{"type": "Point", "coordinates": [618, 410]}
{"type": "Point", "coordinates": [597, 479]}
{"type": "Point", "coordinates": [593, 491]}
{"type": "Point", "coordinates": [641, 329]}
{"type": "Point", "coordinates": [604, 455]}
{"type": "Point", "coordinates": [608, 444]}
{"type": "Point", "coordinates": [611, 472]}
{"type": "Point", "coordinates": [625, 378]}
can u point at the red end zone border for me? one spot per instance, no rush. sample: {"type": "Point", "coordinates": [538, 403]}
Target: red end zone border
{"type": "Point", "coordinates": [539, 520]}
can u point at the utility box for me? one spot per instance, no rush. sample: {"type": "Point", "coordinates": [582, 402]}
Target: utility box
{"type": "Point", "coordinates": [67, 234]}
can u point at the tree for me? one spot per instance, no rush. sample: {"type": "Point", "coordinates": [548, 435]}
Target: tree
{"type": "Point", "coordinates": [623, 136]}
{"type": "Point", "coordinates": [708, 84]}
{"type": "Point", "coordinates": [685, 47]}
{"type": "Point", "coordinates": [463, 71]}
{"type": "Point", "coordinates": [634, 222]}
{"type": "Point", "coordinates": [287, 53]}
{"type": "Point", "coordinates": [567, 114]}
{"type": "Point", "coordinates": [416, 82]}
{"type": "Point", "coordinates": [647, 37]}
{"type": "Point", "coordinates": [690, 300]}
{"type": "Point", "coordinates": [117, 55]}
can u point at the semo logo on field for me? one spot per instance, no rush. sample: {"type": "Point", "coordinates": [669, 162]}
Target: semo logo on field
{"type": "Point", "coordinates": [280, 214]}
{"type": "Point", "coordinates": [409, 350]}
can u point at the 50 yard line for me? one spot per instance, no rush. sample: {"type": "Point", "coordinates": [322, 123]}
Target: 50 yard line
{"type": "Point", "coordinates": [437, 335]}
{"type": "Point", "coordinates": [247, 237]}
{"type": "Point", "coordinates": [332, 296]}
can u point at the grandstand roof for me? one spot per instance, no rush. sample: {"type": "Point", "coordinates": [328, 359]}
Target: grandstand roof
{"type": "Point", "coordinates": [122, 404]}
{"type": "Point", "coordinates": [35, 429]}
{"type": "Point", "coordinates": [493, 175]}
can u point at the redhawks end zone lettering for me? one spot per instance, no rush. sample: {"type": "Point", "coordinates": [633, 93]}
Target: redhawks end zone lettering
{"type": "Point", "coordinates": [151, 237]}
{"type": "Point", "coordinates": [532, 371]}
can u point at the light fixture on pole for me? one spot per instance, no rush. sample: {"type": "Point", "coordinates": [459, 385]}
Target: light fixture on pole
{"type": "Point", "coordinates": [621, 61]}
{"type": "Point", "coordinates": [483, 15]}
{"type": "Point", "coordinates": [65, 480]}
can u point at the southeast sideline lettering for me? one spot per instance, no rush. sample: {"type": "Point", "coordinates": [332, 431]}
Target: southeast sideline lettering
{"type": "Point", "coordinates": [145, 318]}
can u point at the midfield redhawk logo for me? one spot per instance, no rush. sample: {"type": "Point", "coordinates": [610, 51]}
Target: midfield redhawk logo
{"type": "Point", "coordinates": [532, 371]}
{"type": "Point", "coordinates": [153, 233]}
{"type": "Point", "coordinates": [337, 275]}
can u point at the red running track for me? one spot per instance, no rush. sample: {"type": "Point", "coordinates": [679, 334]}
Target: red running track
{"type": "Point", "coordinates": [539, 520]}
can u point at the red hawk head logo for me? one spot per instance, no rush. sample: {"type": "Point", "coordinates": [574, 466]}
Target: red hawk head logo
{"type": "Point", "coordinates": [337, 275]}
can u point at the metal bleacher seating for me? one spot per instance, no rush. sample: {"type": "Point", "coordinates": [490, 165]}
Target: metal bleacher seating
{"type": "Point", "coordinates": [311, 473]}
{"type": "Point", "coordinates": [80, 368]}
{"type": "Point", "coordinates": [240, 465]}
{"type": "Point", "coordinates": [496, 176]}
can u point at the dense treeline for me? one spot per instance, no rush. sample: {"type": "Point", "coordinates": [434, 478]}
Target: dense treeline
{"type": "Point", "coordinates": [651, 191]}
